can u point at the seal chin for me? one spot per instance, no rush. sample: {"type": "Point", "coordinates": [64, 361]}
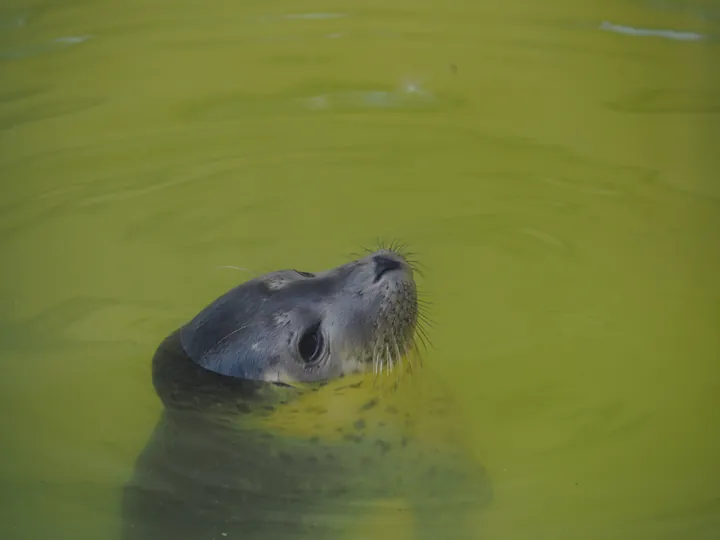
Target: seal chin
{"type": "Point", "coordinates": [292, 326]}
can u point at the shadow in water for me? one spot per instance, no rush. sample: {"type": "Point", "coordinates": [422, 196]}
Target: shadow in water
{"type": "Point", "coordinates": [213, 469]}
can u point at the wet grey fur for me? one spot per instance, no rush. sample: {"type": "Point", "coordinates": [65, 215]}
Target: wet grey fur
{"type": "Point", "coordinates": [252, 331]}
{"type": "Point", "coordinates": [205, 476]}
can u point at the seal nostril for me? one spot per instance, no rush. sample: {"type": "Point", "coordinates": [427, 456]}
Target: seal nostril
{"type": "Point", "coordinates": [385, 264]}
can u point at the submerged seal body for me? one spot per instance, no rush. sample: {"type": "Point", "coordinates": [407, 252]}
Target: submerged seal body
{"type": "Point", "coordinates": [257, 439]}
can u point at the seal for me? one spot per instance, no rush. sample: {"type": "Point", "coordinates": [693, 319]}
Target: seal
{"type": "Point", "coordinates": [273, 426]}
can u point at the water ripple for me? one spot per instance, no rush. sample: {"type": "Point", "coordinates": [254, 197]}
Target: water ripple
{"type": "Point", "coordinates": [651, 32]}
{"type": "Point", "coordinates": [39, 48]}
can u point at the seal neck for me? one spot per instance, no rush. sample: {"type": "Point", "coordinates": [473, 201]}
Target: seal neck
{"type": "Point", "coordinates": [183, 385]}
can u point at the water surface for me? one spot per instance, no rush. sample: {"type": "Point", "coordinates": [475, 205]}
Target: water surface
{"type": "Point", "coordinates": [557, 178]}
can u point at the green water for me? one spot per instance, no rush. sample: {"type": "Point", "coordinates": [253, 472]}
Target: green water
{"type": "Point", "coordinates": [558, 180]}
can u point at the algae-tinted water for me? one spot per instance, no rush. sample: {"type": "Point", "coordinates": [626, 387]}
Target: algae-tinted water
{"type": "Point", "coordinates": [553, 165]}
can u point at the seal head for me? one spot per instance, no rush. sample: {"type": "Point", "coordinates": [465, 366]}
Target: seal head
{"type": "Point", "coordinates": [292, 326]}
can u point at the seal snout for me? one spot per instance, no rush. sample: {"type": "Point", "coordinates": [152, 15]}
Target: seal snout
{"type": "Point", "coordinates": [384, 264]}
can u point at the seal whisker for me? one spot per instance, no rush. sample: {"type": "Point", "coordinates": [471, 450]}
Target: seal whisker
{"type": "Point", "coordinates": [392, 361]}
{"type": "Point", "coordinates": [364, 251]}
{"type": "Point", "coordinates": [393, 245]}
{"type": "Point", "coordinates": [399, 356]}
{"type": "Point", "coordinates": [422, 313]}
{"type": "Point", "coordinates": [240, 268]}
{"type": "Point", "coordinates": [422, 334]}
{"type": "Point", "coordinates": [422, 293]}
{"type": "Point", "coordinates": [411, 258]}
{"type": "Point", "coordinates": [424, 319]}
{"type": "Point", "coordinates": [380, 243]}
{"type": "Point", "coordinates": [422, 341]}
{"type": "Point", "coordinates": [422, 327]}
{"type": "Point", "coordinates": [230, 334]}
{"type": "Point", "coordinates": [423, 299]}
{"type": "Point", "coordinates": [377, 362]}
{"type": "Point", "coordinates": [415, 268]}
{"type": "Point", "coordinates": [418, 354]}
{"type": "Point", "coordinates": [411, 350]}
{"type": "Point", "coordinates": [395, 359]}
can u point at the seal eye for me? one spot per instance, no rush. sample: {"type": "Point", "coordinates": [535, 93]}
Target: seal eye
{"type": "Point", "coordinates": [311, 344]}
{"type": "Point", "coordinates": [305, 274]}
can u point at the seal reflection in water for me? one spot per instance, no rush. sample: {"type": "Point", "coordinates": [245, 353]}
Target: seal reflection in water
{"type": "Point", "coordinates": [271, 429]}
